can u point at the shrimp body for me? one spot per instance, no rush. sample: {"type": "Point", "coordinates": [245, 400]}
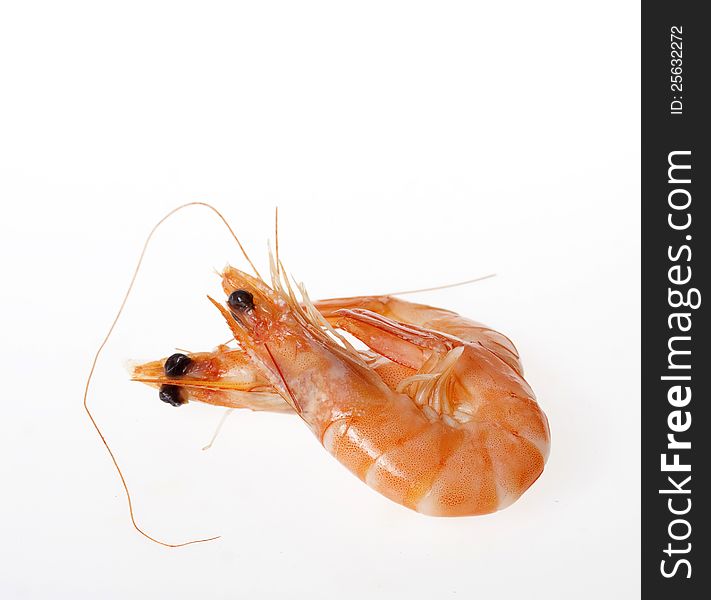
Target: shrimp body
{"type": "Point", "coordinates": [435, 415]}
{"type": "Point", "coordinates": [476, 439]}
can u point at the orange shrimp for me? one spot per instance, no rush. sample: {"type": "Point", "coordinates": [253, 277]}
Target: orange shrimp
{"type": "Point", "coordinates": [435, 414]}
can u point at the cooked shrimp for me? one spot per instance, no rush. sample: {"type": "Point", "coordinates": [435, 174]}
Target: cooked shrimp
{"type": "Point", "coordinates": [435, 415]}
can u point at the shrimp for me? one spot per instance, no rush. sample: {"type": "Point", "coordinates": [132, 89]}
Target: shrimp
{"type": "Point", "coordinates": [435, 414]}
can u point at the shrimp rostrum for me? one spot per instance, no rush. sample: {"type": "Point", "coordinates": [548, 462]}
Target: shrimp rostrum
{"type": "Point", "coordinates": [434, 413]}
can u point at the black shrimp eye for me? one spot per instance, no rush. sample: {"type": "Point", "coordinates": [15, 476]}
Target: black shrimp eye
{"type": "Point", "coordinates": [177, 365]}
{"type": "Point", "coordinates": [170, 394]}
{"type": "Point", "coordinates": [241, 300]}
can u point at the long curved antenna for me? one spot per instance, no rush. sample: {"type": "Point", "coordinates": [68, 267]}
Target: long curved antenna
{"type": "Point", "coordinates": [441, 287]}
{"type": "Point", "coordinates": [276, 232]}
{"type": "Point", "coordinates": [219, 214]}
{"type": "Point", "coordinates": [106, 339]}
{"type": "Point", "coordinates": [227, 413]}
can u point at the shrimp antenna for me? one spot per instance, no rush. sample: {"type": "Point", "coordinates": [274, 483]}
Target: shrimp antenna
{"type": "Point", "coordinates": [227, 413]}
{"type": "Point", "coordinates": [105, 341]}
{"type": "Point", "coordinates": [276, 233]}
{"type": "Point", "coordinates": [442, 287]}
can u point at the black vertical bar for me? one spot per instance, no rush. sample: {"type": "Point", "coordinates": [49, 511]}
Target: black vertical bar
{"type": "Point", "coordinates": [676, 69]}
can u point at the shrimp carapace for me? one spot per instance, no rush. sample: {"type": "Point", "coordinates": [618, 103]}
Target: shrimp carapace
{"type": "Point", "coordinates": [434, 415]}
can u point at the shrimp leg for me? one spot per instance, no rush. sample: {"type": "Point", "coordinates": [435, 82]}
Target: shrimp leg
{"type": "Point", "coordinates": [437, 380]}
{"type": "Point", "coordinates": [427, 317]}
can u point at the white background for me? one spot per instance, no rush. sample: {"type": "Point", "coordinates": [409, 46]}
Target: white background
{"type": "Point", "coordinates": [407, 145]}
